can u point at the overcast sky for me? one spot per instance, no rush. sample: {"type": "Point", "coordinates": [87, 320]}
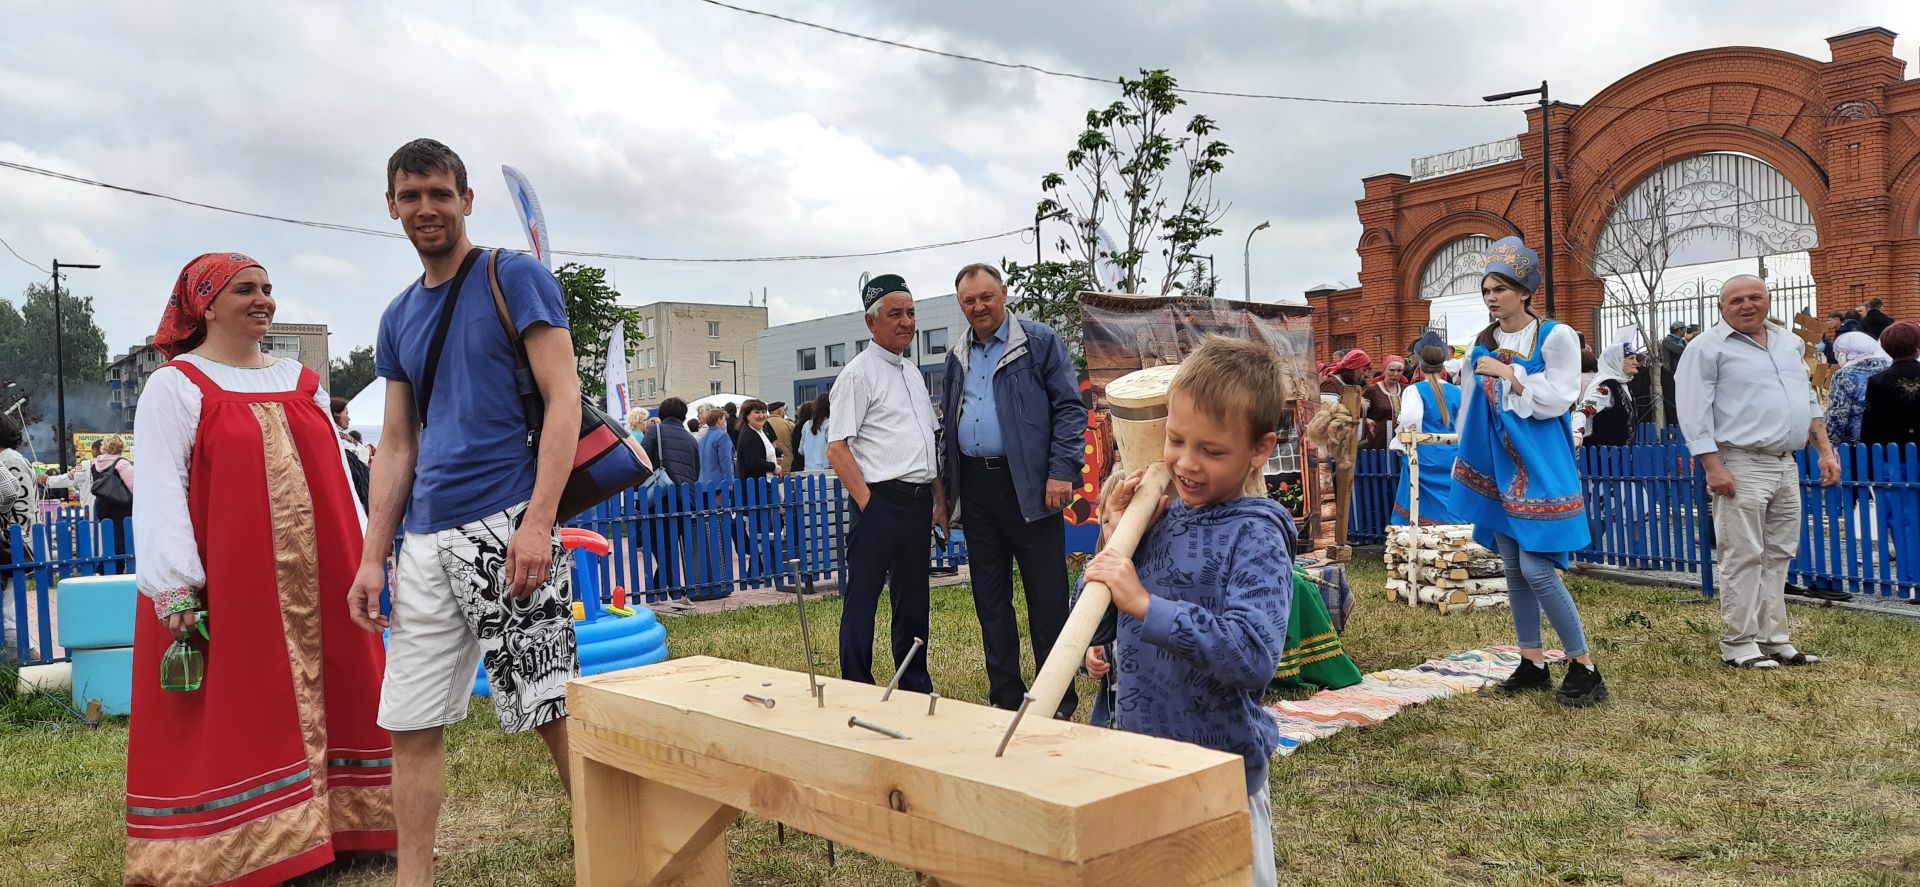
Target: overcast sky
{"type": "Point", "coordinates": [677, 128]}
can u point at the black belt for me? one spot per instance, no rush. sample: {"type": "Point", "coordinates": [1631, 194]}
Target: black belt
{"type": "Point", "coordinates": [904, 488]}
{"type": "Point", "coordinates": [990, 463]}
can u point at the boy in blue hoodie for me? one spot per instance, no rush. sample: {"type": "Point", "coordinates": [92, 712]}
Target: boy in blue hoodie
{"type": "Point", "coordinates": [1203, 602]}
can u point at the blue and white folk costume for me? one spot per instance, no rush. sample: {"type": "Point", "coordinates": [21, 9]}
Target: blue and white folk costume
{"type": "Point", "coordinates": [1429, 406]}
{"type": "Point", "coordinates": [1515, 474]}
{"type": "Point", "coordinates": [1515, 479]}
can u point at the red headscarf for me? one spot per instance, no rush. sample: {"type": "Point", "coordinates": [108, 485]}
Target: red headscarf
{"type": "Point", "coordinates": [1354, 360]}
{"type": "Point", "coordinates": [184, 324]}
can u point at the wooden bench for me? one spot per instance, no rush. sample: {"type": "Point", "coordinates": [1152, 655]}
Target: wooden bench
{"type": "Point", "coordinates": [665, 756]}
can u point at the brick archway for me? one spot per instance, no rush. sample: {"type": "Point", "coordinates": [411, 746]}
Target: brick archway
{"type": "Point", "coordinates": [1906, 200]}
{"type": "Point", "coordinates": [1590, 209]}
{"type": "Point", "coordinates": [1844, 132]}
{"type": "Point", "coordinates": [1435, 237]}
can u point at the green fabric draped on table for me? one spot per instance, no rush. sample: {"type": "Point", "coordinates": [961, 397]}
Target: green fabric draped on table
{"type": "Point", "coordinates": [1313, 658]}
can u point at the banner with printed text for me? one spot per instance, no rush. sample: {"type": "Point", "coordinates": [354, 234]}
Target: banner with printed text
{"type": "Point", "coordinates": [1123, 333]}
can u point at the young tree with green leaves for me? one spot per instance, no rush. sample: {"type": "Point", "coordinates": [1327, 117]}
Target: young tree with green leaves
{"type": "Point", "coordinates": [351, 374]}
{"type": "Point", "coordinates": [26, 341]}
{"type": "Point", "coordinates": [593, 310]}
{"type": "Point", "coordinates": [1154, 184]}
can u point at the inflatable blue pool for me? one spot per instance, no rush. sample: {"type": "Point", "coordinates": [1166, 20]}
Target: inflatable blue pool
{"type": "Point", "coordinates": [608, 640]}
{"type": "Point", "coordinates": [610, 643]}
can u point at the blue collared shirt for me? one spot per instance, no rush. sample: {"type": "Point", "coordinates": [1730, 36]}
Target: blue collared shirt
{"type": "Point", "coordinates": [979, 425]}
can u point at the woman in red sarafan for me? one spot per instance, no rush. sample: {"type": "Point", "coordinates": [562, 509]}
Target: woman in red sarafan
{"type": "Point", "coordinates": [246, 518]}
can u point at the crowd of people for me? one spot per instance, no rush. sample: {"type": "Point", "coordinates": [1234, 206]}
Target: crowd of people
{"type": "Point", "coordinates": [1875, 393]}
{"type": "Point", "coordinates": [1871, 396]}
{"type": "Point", "coordinates": [315, 737]}
{"type": "Point", "coordinates": [751, 439]}
{"type": "Point", "coordinates": [1862, 345]}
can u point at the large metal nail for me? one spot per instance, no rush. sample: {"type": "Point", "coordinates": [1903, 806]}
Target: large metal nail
{"type": "Point", "coordinates": [854, 721]}
{"type": "Point", "coordinates": [806, 637]}
{"type": "Point", "coordinates": [901, 668]}
{"type": "Point", "coordinates": [933, 699]}
{"type": "Point", "coordinates": [1024, 702]}
{"type": "Point", "coordinates": [757, 700]}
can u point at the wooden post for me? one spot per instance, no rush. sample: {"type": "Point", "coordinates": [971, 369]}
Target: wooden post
{"type": "Point", "coordinates": [665, 755]}
{"type": "Point", "coordinates": [629, 830]}
{"type": "Point", "coordinates": [1413, 514]}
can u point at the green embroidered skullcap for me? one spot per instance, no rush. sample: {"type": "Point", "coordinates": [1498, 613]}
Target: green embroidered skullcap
{"type": "Point", "coordinates": [877, 288]}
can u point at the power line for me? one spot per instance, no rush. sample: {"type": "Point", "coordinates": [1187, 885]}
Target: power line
{"type": "Point", "coordinates": [354, 229]}
{"type": "Point", "coordinates": [1110, 81]}
{"type": "Point", "coordinates": [22, 258]}
{"type": "Point", "coordinates": [194, 203]}
{"type": "Point", "coordinates": [1089, 78]}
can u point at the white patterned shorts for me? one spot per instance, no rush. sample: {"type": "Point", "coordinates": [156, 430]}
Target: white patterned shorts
{"type": "Point", "coordinates": [453, 612]}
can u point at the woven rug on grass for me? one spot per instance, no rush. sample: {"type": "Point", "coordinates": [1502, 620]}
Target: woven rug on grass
{"type": "Point", "coordinates": [1382, 694]}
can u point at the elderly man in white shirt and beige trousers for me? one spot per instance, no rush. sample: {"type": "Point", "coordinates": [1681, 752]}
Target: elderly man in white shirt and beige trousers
{"type": "Point", "coordinates": [1746, 406]}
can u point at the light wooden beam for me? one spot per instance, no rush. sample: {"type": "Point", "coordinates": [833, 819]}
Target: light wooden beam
{"type": "Point", "coordinates": [665, 754]}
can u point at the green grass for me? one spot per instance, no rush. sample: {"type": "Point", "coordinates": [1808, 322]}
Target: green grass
{"type": "Point", "coordinates": [1694, 774]}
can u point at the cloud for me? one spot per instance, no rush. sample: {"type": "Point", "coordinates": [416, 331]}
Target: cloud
{"type": "Point", "coordinates": [323, 267]}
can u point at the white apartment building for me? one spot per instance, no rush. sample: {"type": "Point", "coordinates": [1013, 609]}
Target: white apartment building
{"type": "Point", "coordinates": [799, 361]}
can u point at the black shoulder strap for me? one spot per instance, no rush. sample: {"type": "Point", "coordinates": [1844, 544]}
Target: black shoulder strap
{"type": "Point", "coordinates": [424, 393]}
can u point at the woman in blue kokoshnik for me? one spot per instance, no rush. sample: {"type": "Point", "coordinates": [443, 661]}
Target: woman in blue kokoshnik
{"type": "Point", "coordinates": [1514, 478]}
{"type": "Point", "coordinates": [1427, 406]}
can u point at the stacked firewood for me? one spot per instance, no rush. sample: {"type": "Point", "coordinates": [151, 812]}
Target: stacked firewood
{"type": "Point", "coordinates": [1452, 573]}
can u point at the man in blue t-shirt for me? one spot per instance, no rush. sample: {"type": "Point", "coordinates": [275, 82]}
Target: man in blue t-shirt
{"type": "Point", "coordinates": [481, 577]}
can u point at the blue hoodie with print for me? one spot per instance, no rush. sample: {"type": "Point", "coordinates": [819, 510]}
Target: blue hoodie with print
{"type": "Point", "coordinates": [1221, 577]}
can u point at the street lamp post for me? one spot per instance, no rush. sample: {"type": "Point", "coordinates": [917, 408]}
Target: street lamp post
{"type": "Point", "coordinates": [1546, 177]}
{"type": "Point", "coordinates": [736, 372]}
{"type": "Point", "coordinates": [1246, 257]}
{"type": "Point", "coordinates": [60, 365]}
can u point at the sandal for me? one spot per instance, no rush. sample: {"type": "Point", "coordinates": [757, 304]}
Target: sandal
{"type": "Point", "coordinates": [1752, 662]}
{"type": "Point", "coordinates": [1798, 658]}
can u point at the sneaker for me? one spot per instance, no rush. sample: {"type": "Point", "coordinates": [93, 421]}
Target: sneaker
{"type": "Point", "coordinates": [1582, 687]}
{"type": "Point", "coordinates": [1529, 676]}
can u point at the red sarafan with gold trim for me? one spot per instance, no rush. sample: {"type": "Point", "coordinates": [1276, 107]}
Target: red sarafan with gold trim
{"type": "Point", "coordinates": [275, 764]}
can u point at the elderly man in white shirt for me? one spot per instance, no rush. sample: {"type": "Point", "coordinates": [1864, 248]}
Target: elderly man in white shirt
{"type": "Point", "coordinates": [881, 445]}
{"type": "Point", "coordinates": [1746, 406]}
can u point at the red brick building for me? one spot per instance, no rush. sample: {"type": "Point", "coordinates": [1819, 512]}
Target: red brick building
{"type": "Point", "coordinates": [1842, 136]}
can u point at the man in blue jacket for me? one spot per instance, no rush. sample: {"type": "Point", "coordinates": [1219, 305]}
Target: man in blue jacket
{"type": "Point", "coordinates": [1011, 444]}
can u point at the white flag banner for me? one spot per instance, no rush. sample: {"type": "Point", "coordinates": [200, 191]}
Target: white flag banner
{"type": "Point", "coordinates": [532, 217]}
{"type": "Point", "coordinates": [616, 374]}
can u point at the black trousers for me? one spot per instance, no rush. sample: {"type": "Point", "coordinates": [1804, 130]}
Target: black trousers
{"type": "Point", "coordinates": [997, 537]}
{"type": "Point", "coordinates": [116, 516]}
{"type": "Point", "coordinates": [888, 543]}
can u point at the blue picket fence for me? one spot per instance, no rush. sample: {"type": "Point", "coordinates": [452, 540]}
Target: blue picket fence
{"type": "Point", "coordinates": [682, 542]}
{"type": "Point", "coordinates": [1852, 534]}
{"type": "Point", "coordinates": [704, 541]}
{"type": "Point", "coordinates": [42, 553]}
{"type": "Point", "coordinates": [1650, 510]}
